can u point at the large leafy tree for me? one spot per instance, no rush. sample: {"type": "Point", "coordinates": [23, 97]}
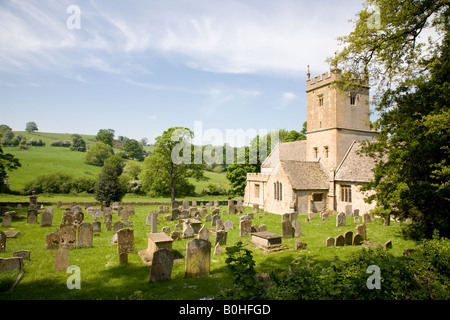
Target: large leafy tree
{"type": "Point", "coordinates": [167, 169]}
{"type": "Point", "coordinates": [108, 187]}
{"type": "Point", "coordinates": [8, 162]}
{"type": "Point", "coordinates": [31, 126]}
{"type": "Point", "coordinates": [411, 82]}
{"type": "Point", "coordinates": [106, 136]}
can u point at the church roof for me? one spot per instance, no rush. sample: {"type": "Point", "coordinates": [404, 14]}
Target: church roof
{"type": "Point", "coordinates": [293, 150]}
{"type": "Point", "coordinates": [355, 167]}
{"type": "Point", "coordinates": [305, 175]}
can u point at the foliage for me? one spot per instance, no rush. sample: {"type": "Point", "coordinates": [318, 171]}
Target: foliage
{"type": "Point", "coordinates": [411, 178]}
{"type": "Point", "coordinates": [108, 187]}
{"type": "Point", "coordinates": [31, 127]}
{"type": "Point", "coordinates": [116, 162]}
{"type": "Point", "coordinates": [166, 170]}
{"type": "Point", "coordinates": [59, 182]}
{"type": "Point", "coordinates": [214, 189]}
{"type": "Point", "coordinates": [422, 275]}
{"type": "Point", "coordinates": [98, 153]}
{"type": "Point", "coordinates": [61, 143]}
{"type": "Point", "coordinates": [8, 162]}
{"type": "Point", "coordinates": [133, 149]}
{"type": "Point", "coordinates": [78, 144]}
{"type": "Point", "coordinates": [106, 136]}
{"type": "Point", "coordinates": [241, 265]}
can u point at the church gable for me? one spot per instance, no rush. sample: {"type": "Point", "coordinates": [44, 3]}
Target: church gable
{"type": "Point", "coordinates": [305, 175]}
{"type": "Point", "coordinates": [355, 167]}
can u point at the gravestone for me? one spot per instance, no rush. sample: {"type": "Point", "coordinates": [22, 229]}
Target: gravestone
{"type": "Point", "coordinates": [154, 218]}
{"type": "Point", "coordinates": [119, 210]}
{"type": "Point", "coordinates": [76, 209]}
{"type": "Point", "coordinates": [255, 228]}
{"type": "Point", "coordinates": [356, 219]}
{"type": "Point", "coordinates": [325, 216]}
{"type": "Point", "coordinates": [175, 213]}
{"type": "Point", "coordinates": [52, 241]}
{"type": "Point", "coordinates": [2, 241]}
{"type": "Point", "coordinates": [215, 211]}
{"type": "Point", "coordinates": [330, 242]}
{"type": "Point", "coordinates": [148, 220]}
{"type": "Point", "coordinates": [166, 229]}
{"type": "Point", "coordinates": [216, 203]}
{"type": "Point", "coordinates": [356, 213]}
{"type": "Point", "coordinates": [175, 235]}
{"type": "Point", "coordinates": [266, 240]}
{"type": "Point", "coordinates": [194, 203]}
{"type": "Point", "coordinates": [61, 262]}
{"type": "Point", "coordinates": [59, 204]}
{"type": "Point", "coordinates": [245, 228]}
{"type": "Point", "coordinates": [32, 216]}
{"type": "Point", "coordinates": [188, 231]}
{"type": "Point", "coordinates": [198, 258]}
{"type": "Point", "coordinates": [366, 217]}
{"type": "Point", "coordinates": [255, 208]}
{"type": "Point", "coordinates": [231, 207]}
{"type": "Point", "coordinates": [221, 237]}
{"type": "Point", "coordinates": [192, 211]}
{"type": "Point", "coordinates": [125, 244]}
{"type": "Point", "coordinates": [175, 204]}
{"type": "Point", "coordinates": [263, 228]}
{"type": "Point", "coordinates": [33, 201]}
{"type": "Point", "coordinates": [217, 249]}
{"type": "Point", "coordinates": [185, 205]}
{"type": "Point", "coordinates": [203, 233]}
{"type": "Point", "coordinates": [286, 225]}
{"type": "Point", "coordinates": [197, 215]}
{"type": "Point", "coordinates": [108, 220]}
{"type": "Point", "coordinates": [49, 210]}
{"type": "Point", "coordinates": [214, 219]}
{"type": "Point", "coordinates": [229, 225]}
{"type": "Point", "coordinates": [203, 212]}
{"type": "Point", "coordinates": [47, 218]}
{"type": "Point", "coordinates": [297, 226]}
{"type": "Point", "coordinates": [115, 205]}
{"type": "Point", "coordinates": [340, 220]}
{"type": "Point", "coordinates": [97, 214]}
{"type": "Point", "coordinates": [339, 242]}
{"type": "Point", "coordinates": [361, 229]}
{"type": "Point", "coordinates": [84, 235]}
{"type": "Point", "coordinates": [220, 224]}
{"type": "Point", "coordinates": [117, 226]}
{"type": "Point", "coordinates": [24, 254]}
{"type": "Point", "coordinates": [7, 218]}
{"type": "Point", "coordinates": [162, 264]}
{"type": "Point", "coordinates": [96, 226]}
{"type": "Point", "coordinates": [67, 237]}
{"type": "Point", "coordinates": [78, 218]}
{"type": "Point", "coordinates": [357, 239]}
{"type": "Point", "coordinates": [300, 245]}
{"type": "Point", "coordinates": [208, 217]}
{"type": "Point", "coordinates": [107, 210]}
{"type": "Point", "coordinates": [348, 238]}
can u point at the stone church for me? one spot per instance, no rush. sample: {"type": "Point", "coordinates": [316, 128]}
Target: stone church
{"type": "Point", "coordinates": [325, 170]}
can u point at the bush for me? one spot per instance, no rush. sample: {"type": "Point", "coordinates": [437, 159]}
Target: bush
{"type": "Point", "coordinates": [214, 189]}
{"type": "Point", "coordinates": [59, 182]}
{"type": "Point", "coordinates": [61, 143]}
{"type": "Point", "coordinates": [98, 153]}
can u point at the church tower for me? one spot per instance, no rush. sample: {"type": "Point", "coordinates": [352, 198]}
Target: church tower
{"type": "Point", "coordinates": [335, 118]}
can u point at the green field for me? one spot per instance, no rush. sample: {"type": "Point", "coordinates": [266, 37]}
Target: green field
{"type": "Point", "coordinates": [103, 278]}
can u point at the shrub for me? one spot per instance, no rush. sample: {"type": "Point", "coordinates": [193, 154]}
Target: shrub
{"type": "Point", "coordinates": [98, 153]}
{"type": "Point", "coordinates": [214, 189]}
{"type": "Point", "coordinates": [59, 182]}
{"type": "Point", "coordinates": [61, 143]}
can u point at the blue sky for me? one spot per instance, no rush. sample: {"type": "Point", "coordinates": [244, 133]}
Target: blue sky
{"type": "Point", "coordinates": [140, 67]}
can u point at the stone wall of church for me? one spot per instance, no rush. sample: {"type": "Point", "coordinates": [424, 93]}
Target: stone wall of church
{"type": "Point", "coordinates": [357, 199]}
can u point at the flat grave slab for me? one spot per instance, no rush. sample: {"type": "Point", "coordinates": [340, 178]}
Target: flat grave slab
{"type": "Point", "coordinates": [266, 240]}
{"type": "Point", "coordinates": [11, 234]}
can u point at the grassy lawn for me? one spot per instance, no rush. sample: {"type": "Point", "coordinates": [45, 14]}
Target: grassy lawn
{"type": "Point", "coordinates": [103, 278]}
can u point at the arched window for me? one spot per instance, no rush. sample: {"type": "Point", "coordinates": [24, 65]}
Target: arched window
{"type": "Point", "coordinates": [278, 190]}
{"type": "Point", "coordinates": [274, 191]}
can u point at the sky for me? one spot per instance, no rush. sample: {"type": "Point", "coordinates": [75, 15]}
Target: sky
{"type": "Point", "coordinates": [140, 67]}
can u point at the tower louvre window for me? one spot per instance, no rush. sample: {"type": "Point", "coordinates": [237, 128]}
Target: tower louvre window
{"type": "Point", "coordinates": [353, 99]}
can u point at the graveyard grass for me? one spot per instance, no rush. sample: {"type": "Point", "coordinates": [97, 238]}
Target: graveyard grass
{"type": "Point", "coordinates": [103, 278]}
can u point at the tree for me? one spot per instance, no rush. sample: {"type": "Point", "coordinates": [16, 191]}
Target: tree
{"type": "Point", "coordinates": [133, 149]}
{"type": "Point", "coordinates": [98, 153]}
{"type": "Point", "coordinates": [167, 169]}
{"type": "Point", "coordinates": [78, 144]}
{"type": "Point", "coordinates": [116, 162]}
{"type": "Point", "coordinates": [31, 127]}
{"type": "Point", "coordinates": [106, 136]}
{"type": "Point", "coordinates": [108, 188]}
{"type": "Point", "coordinates": [8, 162]}
{"type": "Point", "coordinates": [412, 172]}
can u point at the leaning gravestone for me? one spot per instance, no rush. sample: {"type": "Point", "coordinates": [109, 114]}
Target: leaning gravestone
{"type": "Point", "coordinates": [162, 264]}
{"type": "Point", "coordinates": [203, 233]}
{"type": "Point", "coordinates": [188, 232]}
{"type": "Point", "coordinates": [32, 216]}
{"type": "Point", "coordinates": [361, 229]}
{"type": "Point", "coordinates": [245, 228]}
{"type": "Point", "coordinates": [220, 224]}
{"type": "Point", "coordinates": [198, 258]}
{"type": "Point", "coordinates": [85, 235]}
{"type": "Point", "coordinates": [330, 242]}
{"type": "Point", "coordinates": [215, 217]}
{"type": "Point", "coordinates": [61, 260]}
{"type": "Point", "coordinates": [340, 220]}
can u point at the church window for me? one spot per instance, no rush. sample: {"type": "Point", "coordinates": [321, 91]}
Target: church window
{"type": "Point", "coordinates": [317, 197]}
{"type": "Point", "coordinates": [326, 152]}
{"type": "Point", "coordinates": [353, 99]}
{"type": "Point", "coordinates": [274, 191]}
{"type": "Point", "coordinates": [315, 153]}
{"type": "Point", "coordinates": [257, 191]}
{"type": "Point", "coordinates": [346, 193]}
{"type": "Point", "coordinates": [320, 101]}
{"type": "Point", "coordinates": [281, 191]}
{"type": "Point", "coordinates": [278, 190]}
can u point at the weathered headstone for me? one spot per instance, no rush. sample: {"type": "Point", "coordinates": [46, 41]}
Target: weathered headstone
{"type": "Point", "coordinates": [67, 237]}
{"type": "Point", "coordinates": [286, 225]}
{"type": "Point", "coordinates": [96, 226]}
{"type": "Point", "coordinates": [348, 238]}
{"type": "Point", "coordinates": [361, 229]}
{"type": "Point", "coordinates": [61, 262]}
{"type": "Point", "coordinates": [220, 224]}
{"type": "Point", "coordinates": [59, 204]}
{"type": "Point", "coordinates": [175, 235]}
{"type": "Point", "coordinates": [348, 210]}
{"type": "Point", "coordinates": [47, 218]}
{"type": "Point", "coordinates": [356, 213]}
{"type": "Point", "coordinates": [84, 235]}
{"type": "Point", "coordinates": [325, 216]}
{"type": "Point", "coordinates": [175, 204]}
{"type": "Point", "coordinates": [7, 218]}
{"type": "Point", "coordinates": [32, 216]}
{"type": "Point", "coordinates": [198, 258]}
{"type": "Point", "coordinates": [208, 217]}
{"type": "Point", "coordinates": [366, 217]}
{"type": "Point", "coordinates": [24, 254]}
{"type": "Point", "coordinates": [297, 226]}
{"type": "Point", "coordinates": [97, 214]}
{"type": "Point", "coordinates": [340, 220]}
{"type": "Point", "coordinates": [203, 233]}
{"type": "Point", "coordinates": [117, 226]}
{"type": "Point", "coordinates": [217, 249]}
{"type": "Point", "coordinates": [52, 241]}
{"type": "Point", "coordinates": [162, 264]}
{"type": "Point", "coordinates": [125, 244]}
{"type": "Point", "coordinates": [231, 207]}
{"type": "Point", "coordinates": [203, 212]}
{"type": "Point", "coordinates": [263, 228]}
{"type": "Point", "coordinates": [188, 231]}
{"type": "Point", "coordinates": [192, 211]}
{"type": "Point", "coordinates": [330, 242]}
{"type": "Point", "coordinates": [339, 242]}
{"type": "Point", "coordinates": [154, 217]}
{"type": "Point", "coordinates": [357, 239]}
{"type": "Point", "coordinates": [356, 219]}
{"type": "Point", "coordinates": [185, 204]}
{"type": "Point", "coordinates": [107, 210]}
{"type": "Point", "coordinates": [2, 241]}
{"type": "Point", "coordinates": [175, 213]}
{"type": "Point", "coordinates": [300, 245]}
{"type": "Point", "coordinates": [229, 225]}
{"type": "Point", "coordinates": [214, 219]}
{"type": "Point", "coordinates": [221, 237]}
{"type": "Point", "coordinates": [255, 208]}
{"type": "Point", "coordinates": [148, 220]}
{"type": "Point", "coordinates": [194, 203]}
{"type": "Point", "coordinates": [245, 228]}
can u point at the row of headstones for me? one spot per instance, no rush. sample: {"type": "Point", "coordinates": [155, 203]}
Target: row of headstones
{"type": "Point", "coordinates": [348, 238]}
{"type": "Point", "coordinates": [340, 219]}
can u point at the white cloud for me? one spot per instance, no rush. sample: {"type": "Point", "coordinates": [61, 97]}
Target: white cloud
{"type": "Point", "coordinates": [287, 97]}
{"type": "Point", "coordinates": [152, 118]}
